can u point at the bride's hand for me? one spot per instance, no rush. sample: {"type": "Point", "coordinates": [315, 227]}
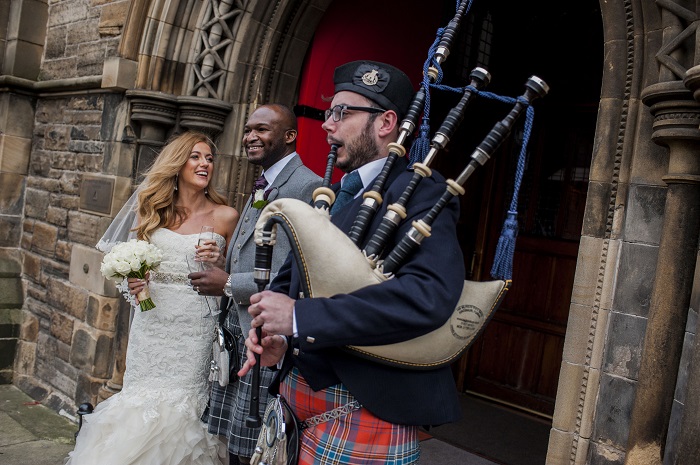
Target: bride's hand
{"type": "Point", "coordinates": [137, 285]}
{"type": "Point", "coordinates": [209, 252]}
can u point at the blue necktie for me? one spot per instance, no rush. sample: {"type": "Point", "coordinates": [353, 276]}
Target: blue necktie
{"type": "Point", "coordinates": [351, 186]}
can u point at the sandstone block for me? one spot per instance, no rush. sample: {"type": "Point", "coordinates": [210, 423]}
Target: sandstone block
{"type": "Point", "coordinates": [61, 327]}
{"type": "Point", "coordinates": [90, 163]}
{"type": "Point", "coordinates": [29, 328]}
{"type": "Point", "coordinates": [59, 69]}
{"type": "Point", "coordinates": [57, 138]}
{"type": "Point", "coordinates": [25, 358]}
{"type": "Point", "coordinates": [82, 32]}
{"type": "Point", "coordinates": [67, 298]}
{"type": "Point", "coordinates": [44, 239]}
{"type": "Point", "coordinates": [23, 59]}
{"type": "Point", "coordinates": [10, 231]}
{"type": "Point", "coordinates": [85, 272]}
{"type": "Point", "coordinates": [88, 388]}
{"type": "Point", "coordinates": [16, 115]}
{"type": "Point", "coordinates": [32, 266]}
{"type": "Point", "coordinates": [70, 183]}
{"type": "Point", "coordinates": [114, 14]}
{"type": "Point", "coordinates": [68, 12]}
{"type": "Point", "coordinates": [11, 295]}
{"type": "Point", "coordinates": [86, 102]}
{"type": "Point", "coordinates": [55, 43]}
{"type": "Point", "coordinates": [119, 73]}
{"type": "Point", "coordinates": [37, 203]}
{"type": "Point", "coordinates": [63, 250]}
{"type": "Point", "coordinates": [32, 22]}
{"type": "Point", "coordinates": [12, 193]}
{"type": "Point", "coordinates": [102, 312]}
{"type": "Point", "coordinates": [86, 228]}
{"type": "Point", "coordinates": [54, 371]}
{"type": "Point", "coordinates": [14, 154]}
{"type": "Point", "coordinates": [57, 216]}
{"type": "Point", "coordinates": [85, 133]}
{"type": "Point", "coordinates": [86, 146]}
{"type": "Point", "coordinates": [91, 351]}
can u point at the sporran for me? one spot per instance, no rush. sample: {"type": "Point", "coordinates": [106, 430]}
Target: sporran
{"type": "Point", "coordinates": [278, 442]}
{"type": "Point", "coordinates": [224, 362]}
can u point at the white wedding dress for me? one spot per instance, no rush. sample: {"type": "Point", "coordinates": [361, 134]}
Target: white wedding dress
{"type": "Point", "coordinates": [155, 419]}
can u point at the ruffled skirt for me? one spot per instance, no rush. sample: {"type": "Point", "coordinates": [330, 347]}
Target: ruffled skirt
{"type": "Point", "coordinates": [126, 430]}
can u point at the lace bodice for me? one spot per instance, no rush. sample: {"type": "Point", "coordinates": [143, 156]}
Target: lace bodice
{"type": "Point", "coordinates": [169, 347]}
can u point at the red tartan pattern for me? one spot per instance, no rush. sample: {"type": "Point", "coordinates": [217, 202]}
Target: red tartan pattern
{"type": "Point", "coordinates": [357, 438]}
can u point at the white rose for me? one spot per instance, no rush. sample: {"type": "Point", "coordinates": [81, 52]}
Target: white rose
{"type": "Point", "coordinates": [122, 267]}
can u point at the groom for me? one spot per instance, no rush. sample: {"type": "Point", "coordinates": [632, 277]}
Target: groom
{"type": "Point", "coordinates": [269, 140]}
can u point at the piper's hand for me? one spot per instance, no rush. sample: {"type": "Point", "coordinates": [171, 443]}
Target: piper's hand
{"type": "Point", "coordinates": [209, 252]}
{"type": "Point", "coordinates": [271, 351]}
{"type": "Point", "coordinates": [273, 312]}
{"type": "Point", "coordinates": [208, 282]}
{"type": "Point", "coordinates": [137, 285]}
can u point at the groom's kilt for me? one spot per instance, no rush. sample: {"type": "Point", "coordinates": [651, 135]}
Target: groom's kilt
{"type": "Point", "coordinates": [229, 406]}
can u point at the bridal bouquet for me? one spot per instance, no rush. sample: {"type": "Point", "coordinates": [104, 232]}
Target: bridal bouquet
{"type": "Point", "coordinates": [132, 259]}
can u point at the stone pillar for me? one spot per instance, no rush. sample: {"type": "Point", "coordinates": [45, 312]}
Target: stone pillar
{"type": "Point", "coordinates": [676, 118]}
{"type": "Point", "coordinates": [688, 449]}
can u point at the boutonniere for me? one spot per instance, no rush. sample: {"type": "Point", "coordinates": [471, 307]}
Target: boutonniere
{"type": "Point", "coordinates": [260, 199]}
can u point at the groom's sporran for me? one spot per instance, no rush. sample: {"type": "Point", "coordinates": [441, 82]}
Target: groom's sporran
{"type": "Point", "coordinates": [224, 363]}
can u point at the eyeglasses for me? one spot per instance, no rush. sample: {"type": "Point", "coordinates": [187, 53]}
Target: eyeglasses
{"type": "Point", "coordinates": [338, 111]}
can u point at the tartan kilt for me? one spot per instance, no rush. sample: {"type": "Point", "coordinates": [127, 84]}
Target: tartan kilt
{"type": "Point", "coordinates": [229, 405]}
{"type": "Point", "coordinates": [356, 438]}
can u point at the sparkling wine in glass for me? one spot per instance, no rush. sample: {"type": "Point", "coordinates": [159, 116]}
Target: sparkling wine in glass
{"type": "Point", "coordinates": [206, 234]}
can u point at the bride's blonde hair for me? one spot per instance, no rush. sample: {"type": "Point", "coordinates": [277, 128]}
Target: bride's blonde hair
{"type": "Point", "coordinates": [156, 201]}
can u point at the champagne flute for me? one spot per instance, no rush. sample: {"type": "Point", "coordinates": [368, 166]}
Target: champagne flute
{"type": "Point", "coordinates": [206, 234]}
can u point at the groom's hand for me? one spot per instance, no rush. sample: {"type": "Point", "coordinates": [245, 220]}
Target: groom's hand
{"type": "Point", "coordinates": [209, 282]}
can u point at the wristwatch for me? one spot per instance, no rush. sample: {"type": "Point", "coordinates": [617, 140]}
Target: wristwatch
{"type": "Point", "coordinates": [227, 287]}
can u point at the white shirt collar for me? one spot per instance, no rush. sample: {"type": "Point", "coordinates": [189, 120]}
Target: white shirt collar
{"type": "Point", "coordinates": [272, 172]}
{"type": "Point", "coordinates": [367, 173]}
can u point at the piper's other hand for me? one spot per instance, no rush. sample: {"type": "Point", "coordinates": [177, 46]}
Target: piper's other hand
{"type": "Point", "coordinates": [273, 312]}
{"type": "Point", "coordinates": [271, 351]}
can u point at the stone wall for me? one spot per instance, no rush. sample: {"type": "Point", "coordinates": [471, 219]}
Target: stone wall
{"type": "Point", "coordinates": [54, 62]}
{"type": "Point", "coordinates": [81, 35]}
{"type": "Point", "coordinates": [68, 331]}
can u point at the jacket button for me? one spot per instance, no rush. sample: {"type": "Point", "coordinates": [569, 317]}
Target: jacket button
{"type": "Point", "coordinates": [295, 351]}
{"type": "Point", "coordinates": [310, 339]}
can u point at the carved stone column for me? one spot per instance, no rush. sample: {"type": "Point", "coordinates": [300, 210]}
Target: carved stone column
{"type": "Point", "coordinates": [676, 119]}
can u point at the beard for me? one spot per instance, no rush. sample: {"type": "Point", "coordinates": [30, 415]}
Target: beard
{"type": "Point", "coordinates": [361, 150]}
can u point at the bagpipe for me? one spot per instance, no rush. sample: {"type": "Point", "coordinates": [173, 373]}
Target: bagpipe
{"type": "Point", "coordinates": [314, 238]}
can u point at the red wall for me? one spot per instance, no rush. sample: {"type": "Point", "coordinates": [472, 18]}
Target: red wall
{"type": "Point", "coordinates": [394, 32]}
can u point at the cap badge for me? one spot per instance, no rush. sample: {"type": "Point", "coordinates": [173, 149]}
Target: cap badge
{"type": "Point", "coordinates": [371, 78]}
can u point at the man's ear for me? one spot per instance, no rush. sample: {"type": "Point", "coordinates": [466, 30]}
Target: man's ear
{"type": "Point", "coordinates": [290, 135]}
{"type": "Point", "coordinates": [388, 122]}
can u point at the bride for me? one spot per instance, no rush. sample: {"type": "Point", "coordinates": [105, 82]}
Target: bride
{"type": "Point", "coordinates": [155, 419]}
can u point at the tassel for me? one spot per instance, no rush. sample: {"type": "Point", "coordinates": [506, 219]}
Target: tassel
{"type": "Point", "coordinates": [421, 146]}
{"type": "Point", "coordinates": [505, 250]}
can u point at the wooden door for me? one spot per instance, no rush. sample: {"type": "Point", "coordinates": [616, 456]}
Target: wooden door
{"type": "Point", "coordinates": [517, 358]}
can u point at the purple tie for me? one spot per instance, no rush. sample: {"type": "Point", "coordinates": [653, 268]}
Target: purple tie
{"type": "Point", "coordinates": [260, 183]}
